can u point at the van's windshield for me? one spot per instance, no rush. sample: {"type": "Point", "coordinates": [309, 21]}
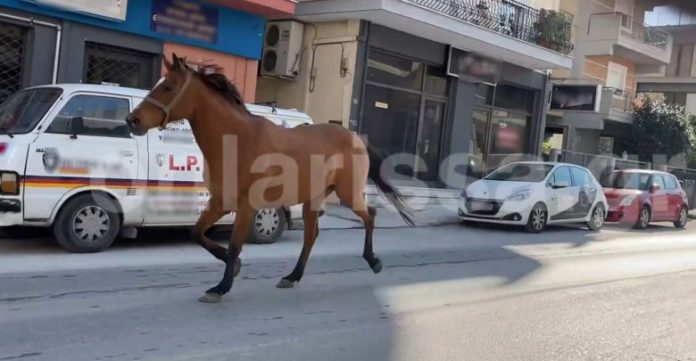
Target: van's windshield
{"type": "Point", "coordinates": [22, 111]}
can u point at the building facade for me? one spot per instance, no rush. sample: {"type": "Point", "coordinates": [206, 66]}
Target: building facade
{"type": "Point", "coordinates": [676, 82]}
{"type": "Point", "coordinates": [456, 88]}
{"type": "Point", "coordinates": [614, 48]}
{"type": "Point", "coordinates": [121, 42]}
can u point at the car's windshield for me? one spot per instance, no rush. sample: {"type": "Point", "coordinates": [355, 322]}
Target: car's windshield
{"type": "Point", "coordinates": [622, 180]}
{"type": "Point", "coordinates": [521, 172]}
{"type": "Point", "coordinates": [22, 111]}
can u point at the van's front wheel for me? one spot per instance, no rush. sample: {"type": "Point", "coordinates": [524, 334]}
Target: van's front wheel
{"type": "Point", "coordinates": [268, 226]}
{"type": "Point", "coordinates": [87, 223]}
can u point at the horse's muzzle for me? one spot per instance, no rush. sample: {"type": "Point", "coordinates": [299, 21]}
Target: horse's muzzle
{"type": "Point", "coordinates": [134, 123]}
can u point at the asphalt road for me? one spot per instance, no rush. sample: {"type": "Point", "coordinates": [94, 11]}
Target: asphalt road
{"type": "Point", "coordinates": [447, 293]}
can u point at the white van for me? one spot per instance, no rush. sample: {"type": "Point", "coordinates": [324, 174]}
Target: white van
{"type": "Point", "coordinates": [68, 161]}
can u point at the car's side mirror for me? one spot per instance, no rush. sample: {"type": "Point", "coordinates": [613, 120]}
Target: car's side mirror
{"type": "Point", "coordinates": [654, 188]}
{"type": "Point", "coordinates": [560, 185]}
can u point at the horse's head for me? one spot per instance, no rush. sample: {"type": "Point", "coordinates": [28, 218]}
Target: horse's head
{"type": "Point", "coordinates": [167, 101]}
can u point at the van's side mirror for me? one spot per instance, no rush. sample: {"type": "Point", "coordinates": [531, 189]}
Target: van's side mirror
{"type": "Point", "coordinates": [77, 126]}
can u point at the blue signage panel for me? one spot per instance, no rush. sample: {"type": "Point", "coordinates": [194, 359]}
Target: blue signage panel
{"type": "Point", "coordinates": [236, 32]}
{"type": "Point", "coordinates": [185, 18]}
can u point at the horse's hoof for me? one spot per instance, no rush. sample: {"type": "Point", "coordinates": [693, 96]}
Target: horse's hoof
{"type": "Point", "coordinates": [377, 266]}
{"type": "Point", "coordinates": [210, 298]}
{"type": "Point", "coordinates": [286, 284]}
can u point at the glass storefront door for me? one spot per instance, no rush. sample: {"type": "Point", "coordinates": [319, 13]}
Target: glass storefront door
{"type": "Point", "coordinates": [478, 143]}
{"type": "Point", "coordinates": [390, 119]}
{"type": "Point", "coordinates": [429, 140]}
{"type": "Point", "coordinates": [404, 109]}
{"type": "Point", "coordinates": [498, 137]}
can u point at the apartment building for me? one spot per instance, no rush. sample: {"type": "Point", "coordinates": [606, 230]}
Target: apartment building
{"type": "Point", "coordinates": [613, 44]}
{"type": "Point", "coordinates": [676, 82]}
{"type": "Point", "coordinates": [462, 84]}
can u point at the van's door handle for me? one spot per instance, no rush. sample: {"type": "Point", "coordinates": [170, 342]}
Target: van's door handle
{"type": "Point", "coordinates": [127, 153]}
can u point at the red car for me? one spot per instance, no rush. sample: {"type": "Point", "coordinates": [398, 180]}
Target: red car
{"type": "Point", "coordinates": [639, 197]}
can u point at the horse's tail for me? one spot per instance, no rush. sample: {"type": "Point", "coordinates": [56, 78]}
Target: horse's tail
{"type": "Point", "coordinates": [389, 192]}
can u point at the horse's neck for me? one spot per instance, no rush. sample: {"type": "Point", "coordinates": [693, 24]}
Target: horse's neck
{"type": "Point", "coordinates": [217, 126]}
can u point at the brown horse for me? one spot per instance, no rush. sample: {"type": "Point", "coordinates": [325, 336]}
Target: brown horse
{"type": "Point", "coordinates": [252, 164]}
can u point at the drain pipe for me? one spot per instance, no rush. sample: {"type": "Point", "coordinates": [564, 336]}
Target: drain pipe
{"type": "Point", "coordinates": [59, 35]}
{"type": "Point", "coordinates": [56, 57]}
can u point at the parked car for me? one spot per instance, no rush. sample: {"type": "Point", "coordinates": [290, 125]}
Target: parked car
{"type": "Point", "coordinates": [534, 194]}
{"type": "Point", "coordinates": [639, 197]}
{"type": "Point", "coordinates": [68, 161]}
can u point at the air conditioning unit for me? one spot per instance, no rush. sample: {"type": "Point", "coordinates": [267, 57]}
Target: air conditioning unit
{"type": "Point", "coordinates": [282, 49]}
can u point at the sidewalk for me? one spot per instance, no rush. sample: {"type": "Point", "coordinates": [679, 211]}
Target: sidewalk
{"type": "Point", "coordinates": [339, 217]}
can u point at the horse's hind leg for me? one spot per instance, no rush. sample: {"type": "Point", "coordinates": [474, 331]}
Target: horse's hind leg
{"type": "Point", "coordinates": [367, 215]}
{"type": "Point", "coordinates": [310, 216]}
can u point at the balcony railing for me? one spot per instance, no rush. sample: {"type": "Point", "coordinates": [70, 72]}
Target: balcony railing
{"type": "Point", "coordinates": [633, 29]}
{"type": "Point", "coordinates": [547, 28]}
{"type": "Point", "coordinates": [621, 100]}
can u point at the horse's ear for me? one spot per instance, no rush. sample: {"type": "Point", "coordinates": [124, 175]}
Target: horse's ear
{"type": "Point", "coordinates": [178, 62]}
{"type": "Point", "coordinates": [167, 64]}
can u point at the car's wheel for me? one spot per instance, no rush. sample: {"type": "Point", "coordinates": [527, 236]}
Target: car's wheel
{"type": "Point", "coordinates": [683, 218]}
{"type": "Point", "coordinates": [268, 226]}
{"type": "Point", "coordinates": [598, 216]}
{"type": "Point", "coordinates": [643, 218]}
{"type": "Point", "coordinates": [537, 219]}
{"type": "Point", "coordinates": [87, 223]}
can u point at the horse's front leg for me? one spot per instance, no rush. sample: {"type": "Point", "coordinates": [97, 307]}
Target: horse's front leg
{"type": "Point", "coordinates": [212, 213]}
{"type": "Point", "coordinates": [242, 225]}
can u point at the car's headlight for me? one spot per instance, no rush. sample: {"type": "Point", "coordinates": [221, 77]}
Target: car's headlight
{"type": "Point", "coordinates": [519, 196]}
{"type": "Point", "coordinates": [627, 201]}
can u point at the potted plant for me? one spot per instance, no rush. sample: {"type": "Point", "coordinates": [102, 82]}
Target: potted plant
{"type": "Point", "coordinates": [553, 31]}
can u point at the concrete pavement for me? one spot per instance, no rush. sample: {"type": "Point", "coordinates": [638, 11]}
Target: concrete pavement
{"type": "Point", "coordinates": [447, 293]}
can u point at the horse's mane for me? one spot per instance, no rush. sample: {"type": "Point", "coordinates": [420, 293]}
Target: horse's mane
{"type": "Point", "coordinates": [223, 86]}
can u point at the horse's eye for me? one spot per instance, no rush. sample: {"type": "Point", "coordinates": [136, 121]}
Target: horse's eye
{"type": "Point", "coordinates": [168, 87]}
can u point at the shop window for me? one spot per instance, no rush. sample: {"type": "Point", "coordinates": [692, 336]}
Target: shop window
{"type": "Point", "coordinates": [12, 48]}
{"type": "Point", "coordinates": [436, 81]}
{"type": "Point", "coordinates": [512, 97]}
{"type": "Point", "coordinates": [510, 132]}
{"type": "Point", "coordinates": [93, 115]}
{"type": "Point", "coordinates": [484, 94]}
{"type": "Point", "coordinates": [394, 71]}
{"type": "Point", "coordinates": [106, 64]}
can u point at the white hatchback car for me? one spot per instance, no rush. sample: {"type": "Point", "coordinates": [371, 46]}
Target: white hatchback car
{"type": "Point", "coordinates": [534, 194]}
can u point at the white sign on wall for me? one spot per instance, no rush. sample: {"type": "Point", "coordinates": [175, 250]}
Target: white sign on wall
{"type": "Point", "coordinates": [110, 9]}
